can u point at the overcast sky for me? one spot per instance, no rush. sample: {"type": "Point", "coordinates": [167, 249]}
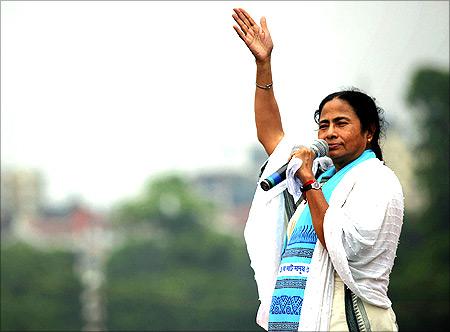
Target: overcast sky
{"type": "Point", "coordinates": [100, 96]}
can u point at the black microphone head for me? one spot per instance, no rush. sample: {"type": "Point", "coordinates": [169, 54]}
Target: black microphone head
{"type": "Point", "coordinates": [265, 185]}
{"type": "Point", "coordinates": [320, 147]}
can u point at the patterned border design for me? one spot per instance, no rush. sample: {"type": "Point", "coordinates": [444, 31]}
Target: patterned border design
{"type": "Point", "coordinates": [286, 305]}
{"type": "Point", "coordinates": [283, 326]}
{"type": "Point", "coordinates": [290, 283]}
{"type": "Point", "coordinates": [298, 252]}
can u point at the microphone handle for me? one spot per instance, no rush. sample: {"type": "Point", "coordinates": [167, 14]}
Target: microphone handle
{"type": "Point", "coordinates": [274, 179]}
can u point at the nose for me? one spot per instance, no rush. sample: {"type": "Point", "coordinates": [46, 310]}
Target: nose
{"type": "Point", "coordinates": [330, 133]}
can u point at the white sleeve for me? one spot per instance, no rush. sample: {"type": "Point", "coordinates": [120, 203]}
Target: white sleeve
{"type": "Point", "coordinates": [362, 231]}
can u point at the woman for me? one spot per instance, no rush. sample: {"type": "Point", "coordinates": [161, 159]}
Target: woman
{"type": "Point", "coordinates": [329, 269]}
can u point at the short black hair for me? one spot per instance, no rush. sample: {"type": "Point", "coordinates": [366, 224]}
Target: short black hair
{"type": "Point", "coordinates": [368, 112]}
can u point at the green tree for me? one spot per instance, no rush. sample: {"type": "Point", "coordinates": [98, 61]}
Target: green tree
{"type": "Point", "coordinates": [420, 281]}
{"type": "Point", "coordinates": [167, 205]}
{"type": "Point", "coordinates": [39, 290]}
{"type": "Point", "coordinates": [184, 276]}
{"type": "Point", "coordinates": [429, 93]}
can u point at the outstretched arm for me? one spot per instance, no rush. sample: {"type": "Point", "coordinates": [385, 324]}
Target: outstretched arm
{"type": "Point", "coordinates": [267, 116]}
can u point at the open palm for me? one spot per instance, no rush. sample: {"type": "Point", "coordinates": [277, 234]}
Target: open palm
{"type": "Point", "coordinates": [256, 38]}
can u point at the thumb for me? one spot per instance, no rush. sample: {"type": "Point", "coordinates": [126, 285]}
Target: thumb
{"type": "Point", "coordinates": [263, 23]}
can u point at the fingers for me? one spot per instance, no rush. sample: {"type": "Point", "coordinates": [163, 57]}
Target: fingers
{"type": "Point", "coordinates": [241, 24]}
{"type": "Point", "coordinates": [302, 153]}
{"type": "Point", "coordinates": [246, 23]}
{"type": "Point", "coordinates": [244, 17]}
{"type": "Point", "coordinates": [248, 17]}
{"type": "Point", "coordinates": [239, 32]}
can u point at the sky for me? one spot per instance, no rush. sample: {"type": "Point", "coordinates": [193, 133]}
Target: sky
{"type": "Point", "coordinates": [101, 96]}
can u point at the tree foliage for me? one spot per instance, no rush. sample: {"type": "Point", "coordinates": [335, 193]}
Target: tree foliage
{"type": "Point", "coordinates": [420, 280]}
{"type": "Point", "coordinates": [429, 93]}
{"type": "Point", "coordinates": [184, 277]}
{"type": "Point", "coordinates": [161, 205]}
{"type": "Point", "coordinates": [39, 290]}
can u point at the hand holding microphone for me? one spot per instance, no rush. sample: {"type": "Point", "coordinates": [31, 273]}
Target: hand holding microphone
{"type": "Point", "coordinates": [320, 149]}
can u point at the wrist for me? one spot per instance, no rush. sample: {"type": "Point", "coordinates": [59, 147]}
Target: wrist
{"type": "Point", "coordinates": [305, 176]}
{"type": "Point", "coordinates": [267, 86]}
{"type": "Point", "coordinates": [311, 185]}
{"type": "Point", "coordinates": [263, 62]}
{"type": "Point", "coordinates": [308, 182]}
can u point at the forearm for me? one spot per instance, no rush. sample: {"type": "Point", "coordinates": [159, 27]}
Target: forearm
{"type": "Point", "coordinates": [318, 207]}
{"type": "Point", "coordinates": [267, 116]}
{"type": "Point", "coordinates": [316, 200]}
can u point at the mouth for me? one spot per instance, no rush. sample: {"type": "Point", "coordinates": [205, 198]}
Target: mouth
{"type": "Point", "coordinates": [333, 146]}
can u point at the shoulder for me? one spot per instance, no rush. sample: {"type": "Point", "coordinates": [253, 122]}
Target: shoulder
{"type": "Point", "coordinates": [378, 176]}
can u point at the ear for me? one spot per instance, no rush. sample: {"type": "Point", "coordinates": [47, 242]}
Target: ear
{"type": "Point", "coordinates": [370, 133]}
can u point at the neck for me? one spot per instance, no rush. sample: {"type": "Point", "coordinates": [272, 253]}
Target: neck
{"type": "Point", "coordinates": [341, 164]}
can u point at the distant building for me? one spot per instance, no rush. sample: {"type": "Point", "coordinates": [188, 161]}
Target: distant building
{"type": "Point", "coordinates": [63, 227]}
{"type": "Point", "coordinates": [399, 157]}
{"type": "Point", "coordinates": [73, 228]}
{"type": "Point", "coordinates": [88, 235]}
{"type": "Point", "coordinates": [22, 194]}
{"type": "Point", "coordinates": [232, 191]}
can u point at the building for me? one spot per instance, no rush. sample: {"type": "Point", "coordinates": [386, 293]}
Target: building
{"type": "Point", "coordinates": [22, 194]}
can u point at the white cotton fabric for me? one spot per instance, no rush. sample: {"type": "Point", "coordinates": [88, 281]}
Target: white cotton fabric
{"type": "Point", "coordinates": [362, 226]}
{"type": "Point", "coordinates": [265, 231]}
{"type": "Point", "coordinates": [294, 184]}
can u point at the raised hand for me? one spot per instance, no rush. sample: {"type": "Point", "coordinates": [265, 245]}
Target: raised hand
{"type": "Point", "coordinates": [256, 38]}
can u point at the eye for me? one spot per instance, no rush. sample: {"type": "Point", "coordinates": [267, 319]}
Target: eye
{"type": "Point", "coordinates": [323, 126]}
{"type": "Point", "coordinates": [341, 123]}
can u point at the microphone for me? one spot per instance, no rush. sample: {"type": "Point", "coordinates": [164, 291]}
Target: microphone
{"type": "Point", "coordinates": [320, 149]}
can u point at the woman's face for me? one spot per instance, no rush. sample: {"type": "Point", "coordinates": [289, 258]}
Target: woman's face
{"type": "Point", "coordinates": [340, 127]}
